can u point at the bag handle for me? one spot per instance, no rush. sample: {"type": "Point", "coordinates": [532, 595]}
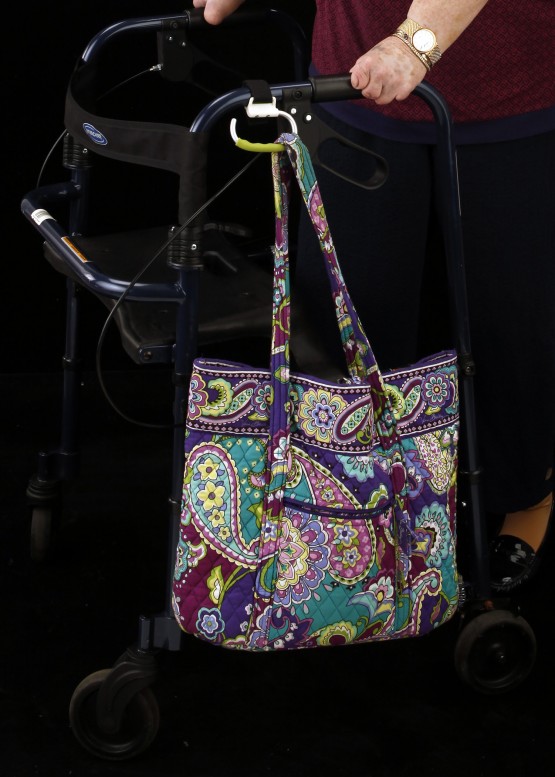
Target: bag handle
{"type": "Point", "coordinates": [361, 362]}
{"type": "Point", "coordinates": [359, 355]}
{"type": "Point", "coordinates": [360, 358]}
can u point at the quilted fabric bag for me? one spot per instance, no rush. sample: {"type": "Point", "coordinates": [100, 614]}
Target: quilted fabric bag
{"type": "Point", "coordinates": [317, 513]}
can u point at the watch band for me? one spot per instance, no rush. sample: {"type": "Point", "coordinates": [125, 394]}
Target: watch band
{"type": "Point", "coordinates": [406, 32]}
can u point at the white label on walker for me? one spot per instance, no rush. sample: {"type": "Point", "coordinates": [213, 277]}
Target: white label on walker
{"type": "Point", "coordinates": [40, 215]}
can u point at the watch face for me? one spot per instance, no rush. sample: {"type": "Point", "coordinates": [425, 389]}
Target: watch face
{"type": "Point", "coordinates": [424, 40]}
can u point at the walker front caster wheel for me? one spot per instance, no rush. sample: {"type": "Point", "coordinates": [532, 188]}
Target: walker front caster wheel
{"type": "Point", "coordinates": [124, 730]}
{"type": "Point", "coordinates": [495, 651]}
{"type": "Point", "coordinates": [44, 509]}
{"type": "Point", "coordinates": [41, 529]}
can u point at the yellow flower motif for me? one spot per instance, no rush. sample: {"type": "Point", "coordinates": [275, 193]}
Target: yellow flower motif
{"type": "Point", "coordinates": [208, 469]}
{"type": "Point", "coordinates": [216, 518]}
{"type": "Point", "coordinates": [211, 495]}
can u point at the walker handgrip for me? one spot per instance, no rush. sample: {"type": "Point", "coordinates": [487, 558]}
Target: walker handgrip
{"type": "Point", "coordinates": [331, 88]}
{"type": "Point", "coordinates": [196, 20]}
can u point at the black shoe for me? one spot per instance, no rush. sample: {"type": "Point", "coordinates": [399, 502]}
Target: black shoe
{"type": "Point", "coordinates": [512, 562]}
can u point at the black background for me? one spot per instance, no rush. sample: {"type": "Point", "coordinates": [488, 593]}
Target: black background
{"type": "Point", "coordinates": [391, 710]}
{"type": "Point", "coordinates": [39, 50]}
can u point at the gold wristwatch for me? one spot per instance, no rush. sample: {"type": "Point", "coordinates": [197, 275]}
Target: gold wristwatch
{"type": "Point", "coordinates": [421, 41]}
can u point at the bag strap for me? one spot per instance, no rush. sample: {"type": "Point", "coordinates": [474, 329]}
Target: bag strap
{"type": "Point", "coordinates": [359, 356]}
{"type": "Point", "coordinates": [360, 360]}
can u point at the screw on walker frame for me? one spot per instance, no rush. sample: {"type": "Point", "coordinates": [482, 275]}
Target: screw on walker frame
{"type": "Point", "coordinates": [261, 111]}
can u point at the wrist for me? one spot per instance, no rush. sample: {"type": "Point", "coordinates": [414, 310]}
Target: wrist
{"type": "Point", "coordinates": [421, 41]}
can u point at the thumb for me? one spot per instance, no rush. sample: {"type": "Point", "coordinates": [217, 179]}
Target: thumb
{"type": "Point", "coordinates": [358, 79]}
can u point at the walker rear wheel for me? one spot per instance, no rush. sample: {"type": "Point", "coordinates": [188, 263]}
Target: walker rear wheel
{"type": "Point", "coordinates": [495, 651]}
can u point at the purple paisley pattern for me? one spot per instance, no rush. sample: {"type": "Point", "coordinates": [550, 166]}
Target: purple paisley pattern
{"type": "Point", "coordinates": [317, 513]}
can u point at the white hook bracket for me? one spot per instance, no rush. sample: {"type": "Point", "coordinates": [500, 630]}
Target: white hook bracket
{"type": "Point", "coordinates": [261, 111]}
{"type": "Point", "coordinates": [268, 110]}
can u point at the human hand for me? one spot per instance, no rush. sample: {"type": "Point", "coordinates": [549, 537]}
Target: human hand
{"type": "Point", "coordinates": [389, 71]}
{"type": "Point", "coordinates": [215, 11]}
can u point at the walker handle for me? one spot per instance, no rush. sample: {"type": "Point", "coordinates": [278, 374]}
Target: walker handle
{"type": "Point", "coordinates": [333, 88]}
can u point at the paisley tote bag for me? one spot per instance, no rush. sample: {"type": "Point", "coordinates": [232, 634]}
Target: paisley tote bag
{"type": "Point", "coordinates": [317, 513]}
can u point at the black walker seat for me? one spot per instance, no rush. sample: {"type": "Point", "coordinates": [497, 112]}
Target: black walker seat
{"type": "Point", "coordinates": [148, 330]}
{"type": "Point", "coordinates": [172, 285]}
